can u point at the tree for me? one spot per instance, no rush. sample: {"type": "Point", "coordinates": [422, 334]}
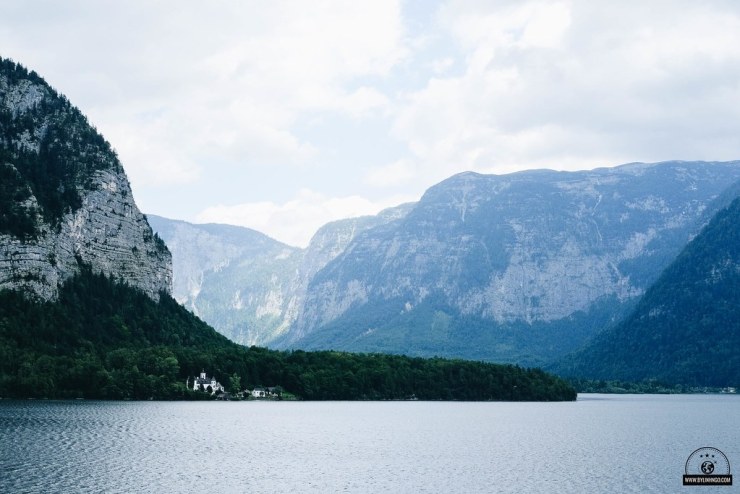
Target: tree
{"type": "Point", "coordinates": [235, 383]}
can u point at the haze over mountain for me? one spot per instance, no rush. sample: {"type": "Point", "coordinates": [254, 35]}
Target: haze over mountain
{"type": "Point", "coordinates": [247, 285]}
{"type": "Point", "coordinates": [519, 268]}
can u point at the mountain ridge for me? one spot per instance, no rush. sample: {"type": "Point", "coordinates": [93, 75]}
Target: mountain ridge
{"type": "Point", "coordinates": [468, 271]}
{"type": "Point", "coordinates": [510, 252]}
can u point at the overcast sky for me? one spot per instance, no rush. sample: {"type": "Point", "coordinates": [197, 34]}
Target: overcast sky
{"type": "Point", "coordinates": [284, 115]}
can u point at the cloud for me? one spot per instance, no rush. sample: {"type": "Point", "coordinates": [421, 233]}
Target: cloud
{"type": "Point", "coordinates": [295, 221]}
{"type": "Point", "coordinates": [208, 82]}
{"type": "Point", "coordinates": [398, 173]}
{"type": "Point", "coordinates": [578, 84]}
{"type": "Point", "coordinates": [363, 102]}
{"type": "Point", "coordinates": [250, 102]}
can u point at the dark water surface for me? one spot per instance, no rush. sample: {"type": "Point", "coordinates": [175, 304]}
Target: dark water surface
{"type": "Point", "coordinates": [601, 443]}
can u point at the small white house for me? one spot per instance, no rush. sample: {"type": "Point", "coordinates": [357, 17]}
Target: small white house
{"type": "Point", "coordinates": [205, 381]}
{"type": "Point", "coordinates": [269, 392]}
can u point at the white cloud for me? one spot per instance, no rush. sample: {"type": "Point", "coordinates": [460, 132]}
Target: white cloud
{"type": "Point", "coordinates": [228, 80]}
{"type": "Point", "coordinates": [363, 102]}
{"type": "Point", "coordinates": [247, 102]}
{"type": "Point", "coordinates": [398, 173]}
{"type": "Point", "coordinates": [579, 84]}
{"type": "Point", "coordinates": [533, 24]}
{"type": "Point", "coordinates": [442, 65]}
{"type": "Point", "coordinates": [295, 221]}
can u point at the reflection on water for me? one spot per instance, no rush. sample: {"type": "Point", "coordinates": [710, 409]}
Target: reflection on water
{"type": "Point", "coordinates": [598, 444]}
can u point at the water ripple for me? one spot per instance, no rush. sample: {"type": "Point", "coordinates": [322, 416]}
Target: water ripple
{"type": "Point", "coordinates": [619, 444]}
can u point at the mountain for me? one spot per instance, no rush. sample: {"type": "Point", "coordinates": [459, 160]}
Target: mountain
{"type": "Point", "coordinates": [236, 279]}
{"type": "Point", "coordinates": [245, 284]}
{"type": "Point", "coordinates": [84, 305]}
{"type": "Point", "coordinates": [327, 243]}
{"type": "Point", "coordinates": [686, 329]}
{"type": "Point", "coordinates": [518, 268]}
{"type": "Point", "coordinates": [65, 200]}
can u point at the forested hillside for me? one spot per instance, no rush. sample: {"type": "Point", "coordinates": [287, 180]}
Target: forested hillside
{"type": "Point", "coordinates": [686, 329]}
{"type": "Point", "coordinates": [102, 339]}
{"type": "Point", "coordinates": [52, 147]}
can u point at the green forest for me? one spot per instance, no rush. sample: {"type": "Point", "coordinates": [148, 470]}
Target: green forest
{"type": "Point", "coordinates": [102, 339]}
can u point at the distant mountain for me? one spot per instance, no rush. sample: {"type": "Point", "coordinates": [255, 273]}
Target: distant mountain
{"type": "Point", "coordinates": [245, 284]}
{"type": "Point", "coordinates": [65, 200]}
{"type": "Point", "coordinates": [518, 268]}
{"type": "Point", "coordinates": [236, 279]}
{"type": "Point", "coordinates": [686, 329]}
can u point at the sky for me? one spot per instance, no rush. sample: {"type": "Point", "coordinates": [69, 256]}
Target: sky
{"type": "Point", "coordinates": [284, 115]}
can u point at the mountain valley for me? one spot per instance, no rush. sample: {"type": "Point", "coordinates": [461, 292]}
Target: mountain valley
{"type": "Point", "coordinates": [519, 268]}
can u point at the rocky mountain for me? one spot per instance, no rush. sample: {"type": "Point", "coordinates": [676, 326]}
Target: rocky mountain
{"type": "Point", "coordinates": [520, 268]}
{"type": "Point", "coordinates": [80, 269]}
{"type": "Point", "coordinates": [245, 284]}
{"type": "Point", "coordinates": [236, 279]}
{"type": "Point", "coordinates": [65, 200]}
{"type": "Point", "coordinates": [686, 329]}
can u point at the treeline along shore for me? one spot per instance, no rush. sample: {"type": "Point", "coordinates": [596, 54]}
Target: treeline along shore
{"type": "Point", "coordinates": [104, 340]}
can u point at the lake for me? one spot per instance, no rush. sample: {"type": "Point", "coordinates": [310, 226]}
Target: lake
{"type": "Point", "coordinates": [600, 443]}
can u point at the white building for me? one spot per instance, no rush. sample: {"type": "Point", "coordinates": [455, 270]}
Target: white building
{"type": "Point", "coordinates": [270, 392]}
{"type": "Point", "coordinates": [205, 381]}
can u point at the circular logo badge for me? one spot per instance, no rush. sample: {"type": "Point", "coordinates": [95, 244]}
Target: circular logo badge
{"type": "Point", "coordinates": [707, 461]}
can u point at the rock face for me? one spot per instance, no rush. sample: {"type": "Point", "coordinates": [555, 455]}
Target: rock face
{"type": "Point", "coordinates": [329, 242]}
{"type": "Point", "coordinates": [236, 279]}
{"type": "Point", "coordinates": [520, 267]}
{"type": "Point", "coordinates": [65, 198]}
{"type": "Point", "coordinates": [248, 286]}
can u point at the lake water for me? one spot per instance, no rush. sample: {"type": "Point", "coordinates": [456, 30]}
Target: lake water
{"type": "Point", "coordinates": [600, 443]}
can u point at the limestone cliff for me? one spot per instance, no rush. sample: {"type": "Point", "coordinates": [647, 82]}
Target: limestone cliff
{"type": "Point", "coordinates": [64, 197]}
{"type": "Point", "coordinates": [236, 279]}
{"type": "Point", "coordinates": [248, 286]}
{"type": "Point", "coordinates": [519, 267]}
